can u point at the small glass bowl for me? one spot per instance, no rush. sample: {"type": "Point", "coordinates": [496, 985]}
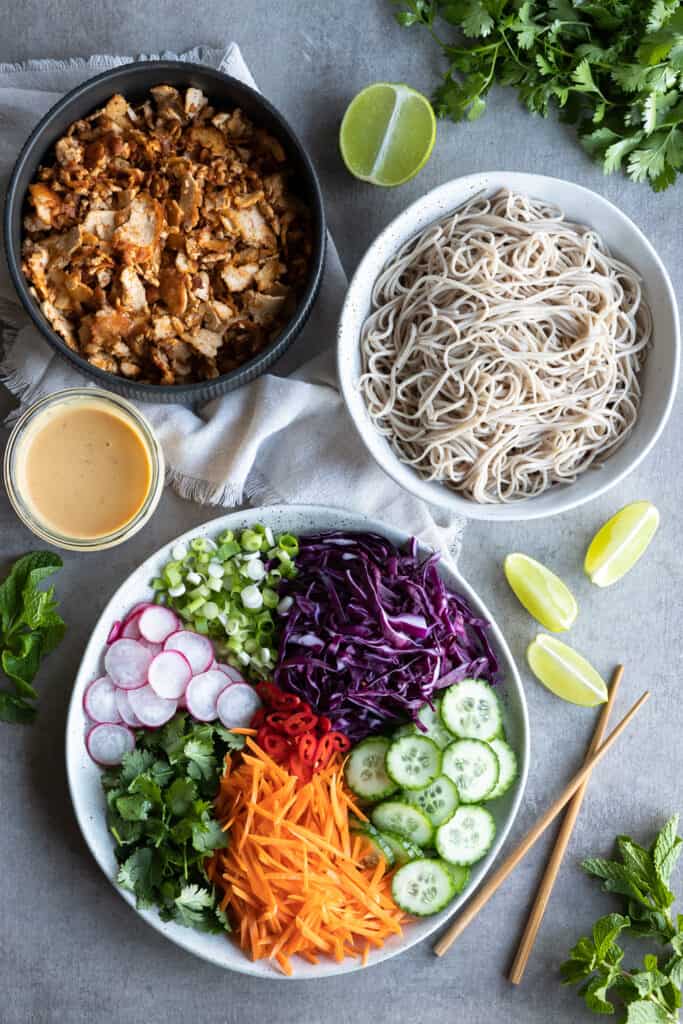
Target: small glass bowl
{"type": "Point", "coordinates": [156, 457]}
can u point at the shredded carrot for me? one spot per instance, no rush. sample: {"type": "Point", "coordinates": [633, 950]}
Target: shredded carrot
{"type": "Point", "coordinates": [293, 879]}
{"type": "Point", "coordinates": [242, 731]}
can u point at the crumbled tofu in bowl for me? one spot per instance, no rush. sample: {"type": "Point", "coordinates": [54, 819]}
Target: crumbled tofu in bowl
{"type": "Point", "coordinates": [165, 242]}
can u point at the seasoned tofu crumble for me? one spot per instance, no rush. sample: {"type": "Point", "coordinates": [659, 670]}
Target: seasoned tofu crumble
{"type": "Point", "coordinates": [165, 243]}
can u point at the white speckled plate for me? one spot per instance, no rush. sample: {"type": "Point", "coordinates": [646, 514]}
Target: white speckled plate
{"type": "Point", "coordinates": [84, 775]}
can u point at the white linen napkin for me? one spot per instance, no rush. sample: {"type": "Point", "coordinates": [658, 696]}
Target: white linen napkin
{"type": "Point", "coordinates": [276, 439]}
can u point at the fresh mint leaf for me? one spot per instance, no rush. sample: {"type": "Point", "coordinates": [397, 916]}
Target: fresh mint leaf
{"type": "Point", "coordinates": [15, 709]}
{"type": "Point", "coordinates": [667, 849]}
{"type": "Point", "coordinates": [606, 931]}
{"type": "Point", "coordinates": [645, 1012]}
{"type": "Point", "coordinates": [595, 995]}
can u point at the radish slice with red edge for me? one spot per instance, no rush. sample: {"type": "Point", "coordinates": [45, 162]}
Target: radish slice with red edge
{"type": "Point", "coordinates": [151, 709]}
{"type": "Point", "coordinates": [169, 674]}
{"type": "Point", "coordinates": [125, 710]}
{"type": "Point", "coordinates": [202, 693]}
{"type": "Point", "coordinates": [233, 674]}
{"type": "Point", "coordinates": [237, 705]}
{"type": "Point", "coordinates": [131, 629]}
{"type": "Point", "coordinates": [197, 649]}
{"type": "Point", "coordinates": [157, 623]}
{"type": "Point", "coordinates": [114, 632]}
{"type": "Point", "coordinates": [99, 701]}
{"type": "Point", "coordinates": [126, 663]}
{"type": "Point", "coordinates": [154, 648]}
{"type": "Point", "coordinates": [107, 743]}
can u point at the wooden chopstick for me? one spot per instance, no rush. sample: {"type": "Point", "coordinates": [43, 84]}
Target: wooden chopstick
{"type": "Point", "coordinates": [510, 863]}
{"type": "Point", "coordinates": [545, 889]}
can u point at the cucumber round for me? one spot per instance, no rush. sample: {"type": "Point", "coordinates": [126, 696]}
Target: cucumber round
{"type": "Point", "coordinates": [460, 876]}
{"type": "Point", "coordinates": [413, 761]}
{"type": "Point", "coordinates": [365, 772]}
{"type": "Point", "coordinates": [467, 837]}
{"type": "Point", "coordinates": [422, 887]}
{"type": "Point", "coordinates": [403, 849]}
{"type": "Point", "coordinates": [379, 848]}
{"type": "Point", "coordinates": [473, 766]}
{"type": "Point", "coordinates": [433, 722]}
{"type": "Point", "coordinates": [507, 759]}
{"type": "Point", "coordinates": [439, 800]}
{"type": "Point", "coordinates": [404, 819]}
{"type": "Point", "coordinates": [471, 710]}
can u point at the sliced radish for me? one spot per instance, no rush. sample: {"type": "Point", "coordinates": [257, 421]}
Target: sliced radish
{"type": "Point", "coordinates": [125, 710]}
{"type": "Point", "coordinates": [114, 632]}
{"type": "Point", "coordinates": [169, 674]}
{"type": "Point", "coordinates": [107, 743]}
{"type": "Point", "coordinates": [197, 649]}
{"type": "Point", "coordinates": [131, 629]}
{"type": "Point", "coordinates": [151, 709]}
{"type": "Point", "coordinates": [233, 674]}
{"type": "Point", "coordinates": [157, 623]}
{"type": "Point", "coordinates": [202, 693]}
{"type": "Point", "coordinates": [138, 609]}
{"type": "Point", "coordinates": [237, 705]}
{"type": "Point", "coordinates": [154, 648]}
{"type": "Point", "coordinates": [99, 701]}
{"type": "Point", "coordinates": [126, 663]}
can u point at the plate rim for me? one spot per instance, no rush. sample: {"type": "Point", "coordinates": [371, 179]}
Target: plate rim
{"type": "Point", "coordinates": [183, 937]}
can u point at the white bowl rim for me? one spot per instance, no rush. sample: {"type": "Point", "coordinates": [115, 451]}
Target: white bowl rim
{"type": "Point", "coordinates": [430, 491]}
{"type": "Point", "coordinates": [196, 942]}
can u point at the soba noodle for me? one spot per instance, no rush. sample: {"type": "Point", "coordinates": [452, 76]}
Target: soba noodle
{"type": "Point", "coordinates": [504, 348]}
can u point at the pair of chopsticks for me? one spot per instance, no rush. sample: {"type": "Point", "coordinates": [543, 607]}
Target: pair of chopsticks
{"type": "Point", "coordinates": [576, 789]}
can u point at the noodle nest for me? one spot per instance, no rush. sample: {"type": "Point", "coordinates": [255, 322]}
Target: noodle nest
{"type": "Point", "coordinates": [503, 352]}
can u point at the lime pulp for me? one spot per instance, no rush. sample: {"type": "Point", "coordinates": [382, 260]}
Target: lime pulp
{"type": "Point", "coordinates": [564, 672]}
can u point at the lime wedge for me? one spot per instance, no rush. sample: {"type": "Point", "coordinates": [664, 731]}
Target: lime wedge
{"type": "Point", "coordinates": [387, 133]}
{"type": "Point", "coordinates": [618, 545]}
{"type": "Point", "coordinates": [542, 593]}
{"type": "Point", "coordinates": [565, 672]}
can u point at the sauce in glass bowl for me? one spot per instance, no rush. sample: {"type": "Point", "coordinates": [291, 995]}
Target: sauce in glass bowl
{"type": "Point", "coordinates": [83, 469]}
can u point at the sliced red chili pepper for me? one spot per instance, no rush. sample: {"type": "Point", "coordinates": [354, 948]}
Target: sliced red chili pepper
{"type": "Point", "coordinates": [298, 723]}
{"type": "Point", "coordinates": [325, 750]}
{"type": "Point", "coordinates": [276, 747]}
{"type": "Point", "coordinates": [341, 742]}
{"type": "Point", "coordinates": [267, 691]}
{"type": "Point", "coordinates": [298, 768]}
{"type": "Point", "coordinates": [324, 724]}
{"type": "Point", "coordinates": [307, 747]}
{"type": "Point", "coordinates": [258, 718]}
{"type": "Point", "coordinates": [261, 735]}
{"type": "Point", "coordinates": [288, 702]}
{"type": "Point", "coordinates": [278, 720]}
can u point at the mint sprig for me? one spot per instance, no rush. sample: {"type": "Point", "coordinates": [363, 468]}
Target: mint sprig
{"type": "Point", "coordinates": [650, 994]}
{"type": "Point", "coordinates": [614, 68]}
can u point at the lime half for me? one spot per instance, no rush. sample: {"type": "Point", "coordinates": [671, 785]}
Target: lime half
{"type": "Point", "coordinates": [618, 545]}
{"type": "Point", "coordinates": [387, 133]}
{"type": "Point", "coordinates": [542, 593]}
{"type": "Point", "coordinates": [565, 673]}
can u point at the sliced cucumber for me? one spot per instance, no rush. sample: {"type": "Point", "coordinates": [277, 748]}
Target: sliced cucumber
{"type": "Point", "coordinates": [365, 773]}
{"type": "Point", "coordinates": [433, 722]}
{"type": "Point", "coordinates": [471, 710]}
{"type": "Point", "coordinates": [460, 876]}
{"type": "Point", "coordinates": [423, 887]}
{"type": "Point", "coordinates": [413, 761]}
{"type": "Point", "coordinates": [439, 800]}
{"type": "Point", "coordinates": [507, 759]}
{"type": "Point", "coordinates": [473, 766]}
{"type": "Point", "coordinates": [379, 848]}
{"type": "Point", "coordinates": [467, 837]}
{"type": "Point", "coordinates": [406, 820]}
{"type": "Point", "coordinates": [403, 849]}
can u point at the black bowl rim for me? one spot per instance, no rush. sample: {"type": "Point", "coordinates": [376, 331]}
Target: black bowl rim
{"type": "Point", "coordinates": [163, 392]}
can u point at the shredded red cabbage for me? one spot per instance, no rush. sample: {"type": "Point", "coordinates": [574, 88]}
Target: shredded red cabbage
{"type": "Point", "coordinates": [374, 632]}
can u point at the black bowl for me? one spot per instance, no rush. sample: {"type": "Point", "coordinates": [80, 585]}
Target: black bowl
{"type": "Point", "coordinates": [135, 81]}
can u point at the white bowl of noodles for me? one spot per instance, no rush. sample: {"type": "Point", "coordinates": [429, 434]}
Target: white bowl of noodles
{"type": "Point", "coordinates": [502, 365]}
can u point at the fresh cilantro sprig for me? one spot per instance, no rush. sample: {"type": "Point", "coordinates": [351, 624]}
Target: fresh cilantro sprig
{"type": "Point", "coordinates": [160, 813]}
{"type": "Point", "coordinates": [30, 627]}
{"type": "Point", "coordinates": [612, 67]}
{"type": "Point", "coordinates": [650, 994]}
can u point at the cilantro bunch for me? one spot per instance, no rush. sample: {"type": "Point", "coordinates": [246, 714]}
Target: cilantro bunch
{"type": "Point", "coordinates": [160, 812]}
{"type": "Point", "coordinates": [30, 627]}
{"type": "Point", "coordinates": [650, 994]}
{"type": "Point", "coordinates": [612, 67]}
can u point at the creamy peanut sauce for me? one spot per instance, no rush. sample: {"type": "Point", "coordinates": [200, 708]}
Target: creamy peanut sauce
{"type": "Point", "coordinates": [84, 469]}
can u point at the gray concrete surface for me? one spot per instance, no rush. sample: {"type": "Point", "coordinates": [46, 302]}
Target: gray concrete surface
{"type": "Point", "coordinates": [71, 952]}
